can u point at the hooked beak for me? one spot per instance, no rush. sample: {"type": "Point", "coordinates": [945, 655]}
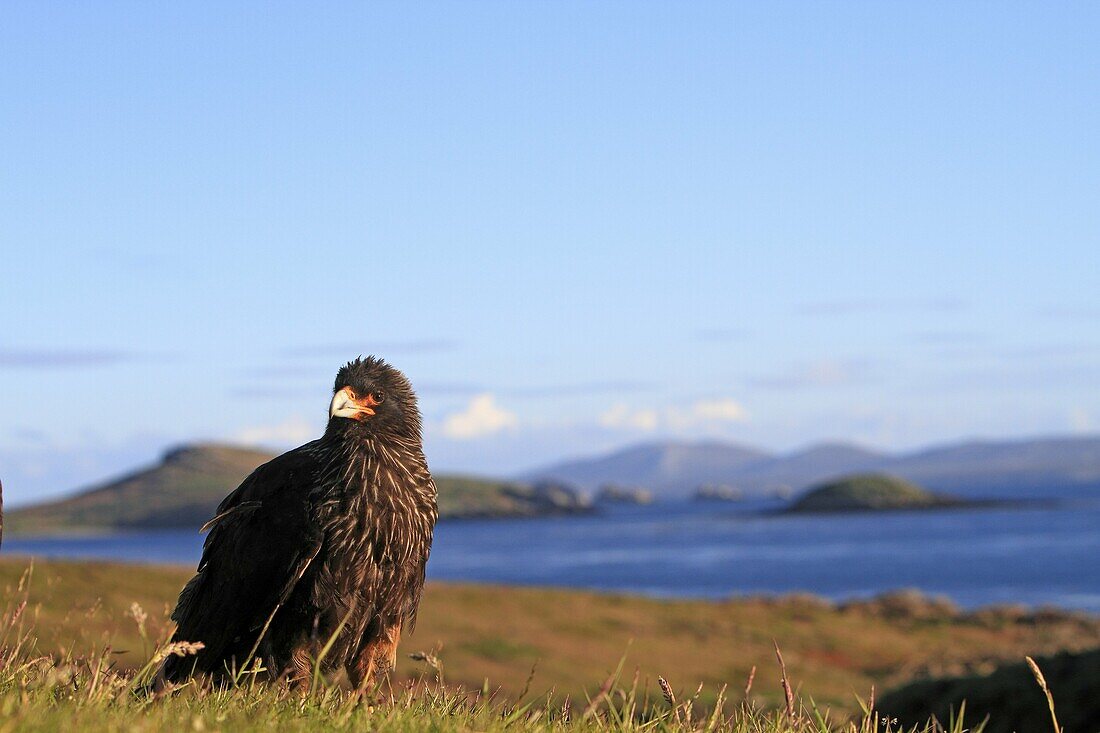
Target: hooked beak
{"type": "Point", "coordinates": [346, 404]}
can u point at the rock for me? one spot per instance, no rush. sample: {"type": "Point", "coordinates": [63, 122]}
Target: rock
{"type": "Point", "coordinates": [907, 603]}
{"type": "Point", "coordinates": [718, 492]}
{"type": "Point", "coordinates": [615, 494]}
{"type": "Point", "coordinates": [555, 497]}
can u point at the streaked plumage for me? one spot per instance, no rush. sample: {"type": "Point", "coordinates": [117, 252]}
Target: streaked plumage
{"type": "Point", "coordinates": [328, 540]}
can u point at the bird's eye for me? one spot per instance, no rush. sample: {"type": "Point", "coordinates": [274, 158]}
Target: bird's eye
{"type": "Point", "coordinates": [378, 395]}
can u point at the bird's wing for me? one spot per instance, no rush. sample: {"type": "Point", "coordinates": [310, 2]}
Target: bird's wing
{"type": "Point", "coordinates": [262, 539]}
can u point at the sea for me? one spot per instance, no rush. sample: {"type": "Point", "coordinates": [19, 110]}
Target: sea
{"type": "Point", "coordinates": [1041, 555]}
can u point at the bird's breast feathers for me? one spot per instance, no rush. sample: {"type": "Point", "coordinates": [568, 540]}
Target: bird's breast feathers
{"type": "Point", "coordinates": [379, 500]}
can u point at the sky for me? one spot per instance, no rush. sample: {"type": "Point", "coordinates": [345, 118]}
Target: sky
{"type": "Point", "coordinates": [574, 225]}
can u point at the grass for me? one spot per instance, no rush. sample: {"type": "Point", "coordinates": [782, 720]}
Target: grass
{"type": "Point", "coordinates": [77, 640]}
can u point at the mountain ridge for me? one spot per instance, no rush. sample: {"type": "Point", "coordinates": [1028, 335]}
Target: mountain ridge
{"type": "Point", "coordinates": [1064, 466]}
{"type": "Point", "coordinates": [655, 465]}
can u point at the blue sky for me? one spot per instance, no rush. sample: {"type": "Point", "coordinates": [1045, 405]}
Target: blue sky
{"type": "Point", "coordinates": [574, 225]}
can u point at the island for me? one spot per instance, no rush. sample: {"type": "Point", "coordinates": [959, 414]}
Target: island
{"type": "Point", "coordinates": [869, 492]}
{"type": "Point", "coordinates": [184, 488]}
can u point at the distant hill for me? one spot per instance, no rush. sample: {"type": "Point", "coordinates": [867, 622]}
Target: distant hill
{"type": "Point", "coordinates": [668, 469]}
{"type": "Point", "coordinates": [1067, 466]}
{"type": "Point", "coordinates": [1039, 468]}
{"type": "Point", "coordinates": [183, 489]}
{"type": "Point", "coordinates": [868, 492]}
{"type": "Point", "coordinates": [798, 469]}
{"type": "Point", "coordinates": [474, 496]}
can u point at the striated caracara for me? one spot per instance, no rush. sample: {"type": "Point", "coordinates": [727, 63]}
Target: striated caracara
{"type": "Point", "coordinates": [326, 542]}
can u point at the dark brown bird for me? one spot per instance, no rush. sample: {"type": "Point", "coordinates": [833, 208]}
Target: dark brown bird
{"type": "Point", "coordinates": [327, 541]}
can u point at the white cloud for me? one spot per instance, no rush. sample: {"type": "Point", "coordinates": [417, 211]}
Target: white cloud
{"type": "Point", "coordinates": [622, 417]}
{"type": "Point", "coordinates": [1080, 421]}
{"type": "Point", "coordinates": [720, 410]}
{"type": "Point", "coordinates": [292, 430]}
{"type": "Point", "coordinates": [706, 413]}
{"type": "Point", "coordinates": [700, 413]}
{"type": "Point", "coordinates": [480, 418]}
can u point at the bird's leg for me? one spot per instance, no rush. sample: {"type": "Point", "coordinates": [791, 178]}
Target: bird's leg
{"type": "Point", "coordinates": [360, 673]}
{"type": "Point", "coordinates": [376, 658]}
{"type": "Point", "coordinates": [298, 672]}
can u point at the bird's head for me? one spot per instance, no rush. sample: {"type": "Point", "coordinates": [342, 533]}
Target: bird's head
{"type": "Point", "coordinates": [371, 396]}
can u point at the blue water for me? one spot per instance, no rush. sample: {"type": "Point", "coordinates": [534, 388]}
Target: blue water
{"type": "Point", "coordinates": [1034, 556]}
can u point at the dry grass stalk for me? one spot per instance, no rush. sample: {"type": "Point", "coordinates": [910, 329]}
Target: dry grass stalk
{"type": "Point", "coordinates": [871, 704]}
{"type": "Point", "coordinates": [433, 661]}
{"type": "Point", "coordinates": [594, 703]}
{"type": "Point", "coordinates": [1046, 691]}
{"type": "Point", "coordinates": [670, 696]}
{"type": "Point", "coordinates": [179, 649]}
{"type": "Point", "coordinates": [748, 685]}
{"type": "Point", "coordinates": [527, 685]}
{"type": "Point", "coordinates": [787, 692]}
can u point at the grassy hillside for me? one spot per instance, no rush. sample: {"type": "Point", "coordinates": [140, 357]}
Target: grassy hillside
{"type": "Point", "coordinates": [471, 496]}
{"type": "Point", "coordinates": [574, 639]}
{"type": "Point", "coordinates": [868, 492]}
{"type": "Point", "coordinates": [182, 490]}
{"type": "Point", "coordinates": [185, 487]}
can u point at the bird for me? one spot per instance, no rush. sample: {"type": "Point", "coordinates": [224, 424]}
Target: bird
{"type": "Point", "coordinates": [319, 556]}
